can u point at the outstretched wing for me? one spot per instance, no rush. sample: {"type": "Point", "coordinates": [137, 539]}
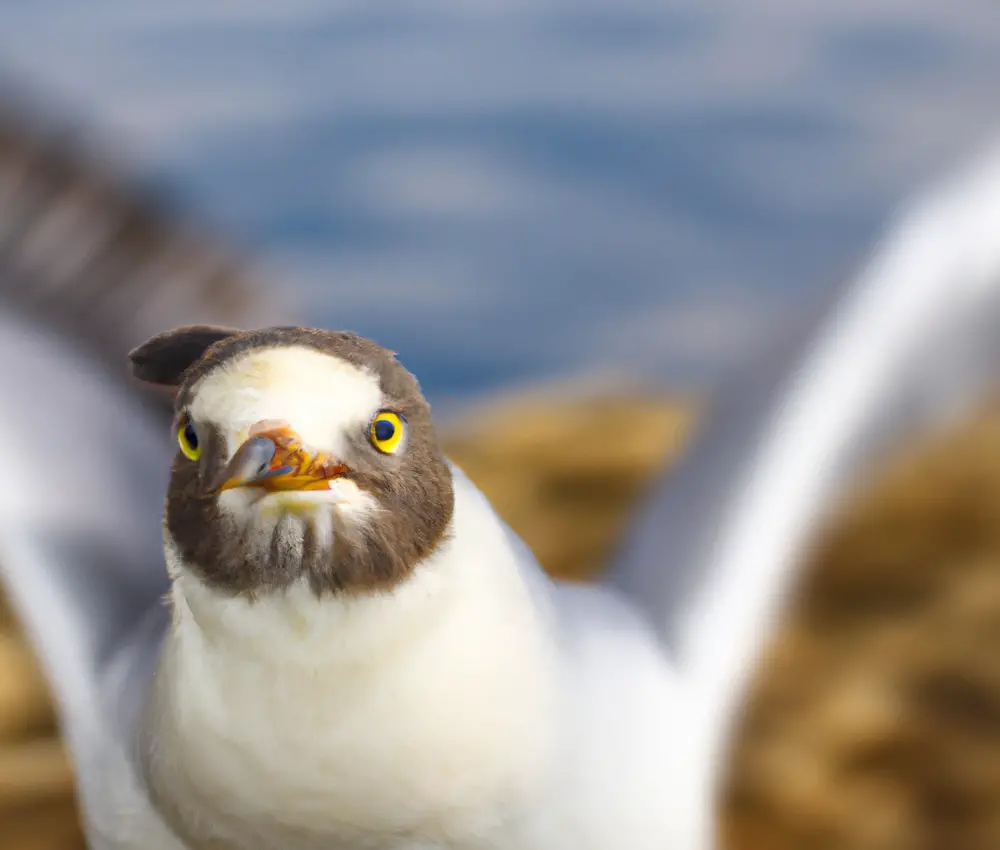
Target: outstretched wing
{"type": "Point", "coordinates": [914, 340]}
{"type": "Point", "coordinates": [87, 271]}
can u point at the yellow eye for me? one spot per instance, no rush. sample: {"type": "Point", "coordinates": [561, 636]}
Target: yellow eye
{"type": "Point", "coordinates": [187, 438]}
{"type": "Point", "coordinates": [387, 431]}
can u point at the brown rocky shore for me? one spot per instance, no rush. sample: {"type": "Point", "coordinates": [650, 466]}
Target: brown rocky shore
{"type": "Point", "coordinates": [874, 720]}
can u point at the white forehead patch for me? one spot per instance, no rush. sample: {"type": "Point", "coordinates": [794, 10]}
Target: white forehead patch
{"type": "Point", "coordinates": [320, 396]}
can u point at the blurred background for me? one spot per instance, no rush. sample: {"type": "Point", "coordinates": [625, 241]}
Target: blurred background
{"type": "Point", "coordinates": [604, 205]}
{"type": "Point", "coordinates": [515, 191]}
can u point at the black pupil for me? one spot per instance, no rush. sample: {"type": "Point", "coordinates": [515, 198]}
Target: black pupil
{"type": "Point", "coordinates": [384, 430]}
{"type": "Point", "coordinates": [190, 436]}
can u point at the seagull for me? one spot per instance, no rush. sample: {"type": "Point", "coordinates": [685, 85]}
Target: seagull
{"type": "Point", "coordinates": [222, 682]}
{"type": "Point", "coordinates": [360, 653]}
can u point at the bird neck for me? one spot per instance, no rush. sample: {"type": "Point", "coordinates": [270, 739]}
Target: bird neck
{"type": "Point", "coordinates": [474, 578]}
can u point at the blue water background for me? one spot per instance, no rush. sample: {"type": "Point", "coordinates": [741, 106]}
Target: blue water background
{"type": "Point", "coordinates": [507, 192]}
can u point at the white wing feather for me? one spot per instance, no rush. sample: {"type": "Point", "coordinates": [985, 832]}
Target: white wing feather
{"type": "Point", "coordinates": [914, 341]}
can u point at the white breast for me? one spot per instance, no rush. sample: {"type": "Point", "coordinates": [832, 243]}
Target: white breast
{"type": "Point", "coordinates": [409, 718]}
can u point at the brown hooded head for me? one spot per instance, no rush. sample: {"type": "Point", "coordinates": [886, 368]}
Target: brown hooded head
{"type": "Point", "coordinates": [302, 455]}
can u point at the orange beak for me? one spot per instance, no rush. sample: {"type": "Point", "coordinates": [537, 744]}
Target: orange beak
{"type": "Point", "coordinates": [274, 459]}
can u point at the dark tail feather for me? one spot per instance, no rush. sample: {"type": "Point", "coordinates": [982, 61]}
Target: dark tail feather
{"type": "Point", "coordinates": [104, 264]}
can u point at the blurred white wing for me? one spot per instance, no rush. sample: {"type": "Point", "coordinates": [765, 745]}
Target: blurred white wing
{"type": "Point", "coordinates": [913, 341]}
{"type": "Point", "coordinates": [86, 272]}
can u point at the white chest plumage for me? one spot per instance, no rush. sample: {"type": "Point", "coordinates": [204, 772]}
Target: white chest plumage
{"type": "Point", "coordinates": [423, 717]}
